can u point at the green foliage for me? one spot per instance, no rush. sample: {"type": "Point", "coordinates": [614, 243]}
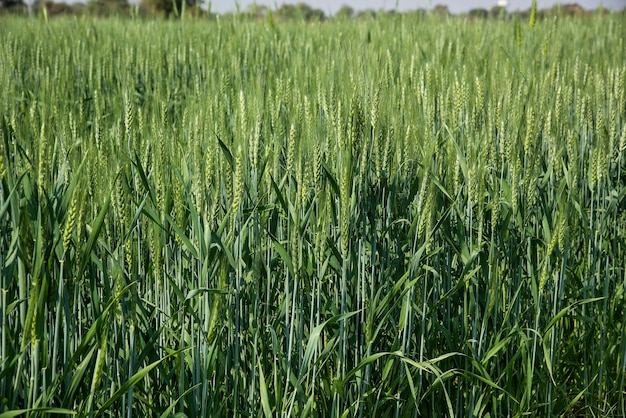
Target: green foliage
{"type": "Point", "coordinates": [17, 7]}
{"type": "Point", "coordinates": [300, 11]}
{"type": "Point", "coordinates": [478, 13]}
{"type": "Point", "coordinates": [108, 7]}
{"type": "Point", "coordinates": [11, 3]}
{"type": "Point", "coordinates": [233, 218]}
{"type": "Point", "coordinates": [169, 8]}
{"type": "Point", "coordinates": [345, 12]}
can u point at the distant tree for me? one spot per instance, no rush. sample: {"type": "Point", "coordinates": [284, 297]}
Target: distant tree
{"type": "Point", "coordinates": [14, 7]}
{"type": "Point", "coordinates": [345, 12]}
{"type": "Point", "coordinates": [11, 3]}
{"type": "Point", "coordinates": [169, 7]}
{"type": "Point", "coordinates": [573, 9]}
{"type": "Point", "coordinates": [57, 9]}
{"type": "Point", "coordinates": [421, 13]}
{"type": "Point", "coordinates": [299, 11]}
{"type": "Point", "coordinates": [497, 11]}
{"type": "Point", "coordinates": [478, 13]}
{"type": "Point", "coordinates": [108, 7]}
{"type": "Point", "coordinates": [366, 14]}
{"type": "Point", "coordinates": [256, 11]}
{"type": "Point", "coordinates": [310, 14]}
{"type": "Point", "coordinates": [286, 11]}
{"type": "Point", "coordinates": [441, 10]}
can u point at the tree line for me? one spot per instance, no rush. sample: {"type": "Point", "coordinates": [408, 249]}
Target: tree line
{"type": "Point", "coordinates": [301, 11]}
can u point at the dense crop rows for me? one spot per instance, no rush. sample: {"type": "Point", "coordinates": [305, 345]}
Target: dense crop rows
{"type": "Point", "coordinates": [394, 217]}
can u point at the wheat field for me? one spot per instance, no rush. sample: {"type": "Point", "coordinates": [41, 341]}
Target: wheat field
{"type": "Point", "coordinates": [399, 217]}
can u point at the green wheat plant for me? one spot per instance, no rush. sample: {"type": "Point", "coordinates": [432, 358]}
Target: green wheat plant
{"type": "Point", "coordinates": [400, 216]}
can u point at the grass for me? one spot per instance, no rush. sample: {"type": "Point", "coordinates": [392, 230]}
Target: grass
{"type": "Point", "coordinates": [393, 217]}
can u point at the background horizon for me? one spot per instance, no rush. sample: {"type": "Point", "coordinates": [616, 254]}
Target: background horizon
{"type": "Point", "coordinates": [330, 7]}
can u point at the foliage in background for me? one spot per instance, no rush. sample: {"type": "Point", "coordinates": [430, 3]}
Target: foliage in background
{"type": "Point", "coordinates": [168, 7]}
{"type": "Point", "coordinates": [389, 217]}
{"type": "Point", "coordinates": [176, 9]}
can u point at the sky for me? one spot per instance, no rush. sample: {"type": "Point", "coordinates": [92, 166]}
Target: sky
{"type": "Point", "coordinates": [330, 7]}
